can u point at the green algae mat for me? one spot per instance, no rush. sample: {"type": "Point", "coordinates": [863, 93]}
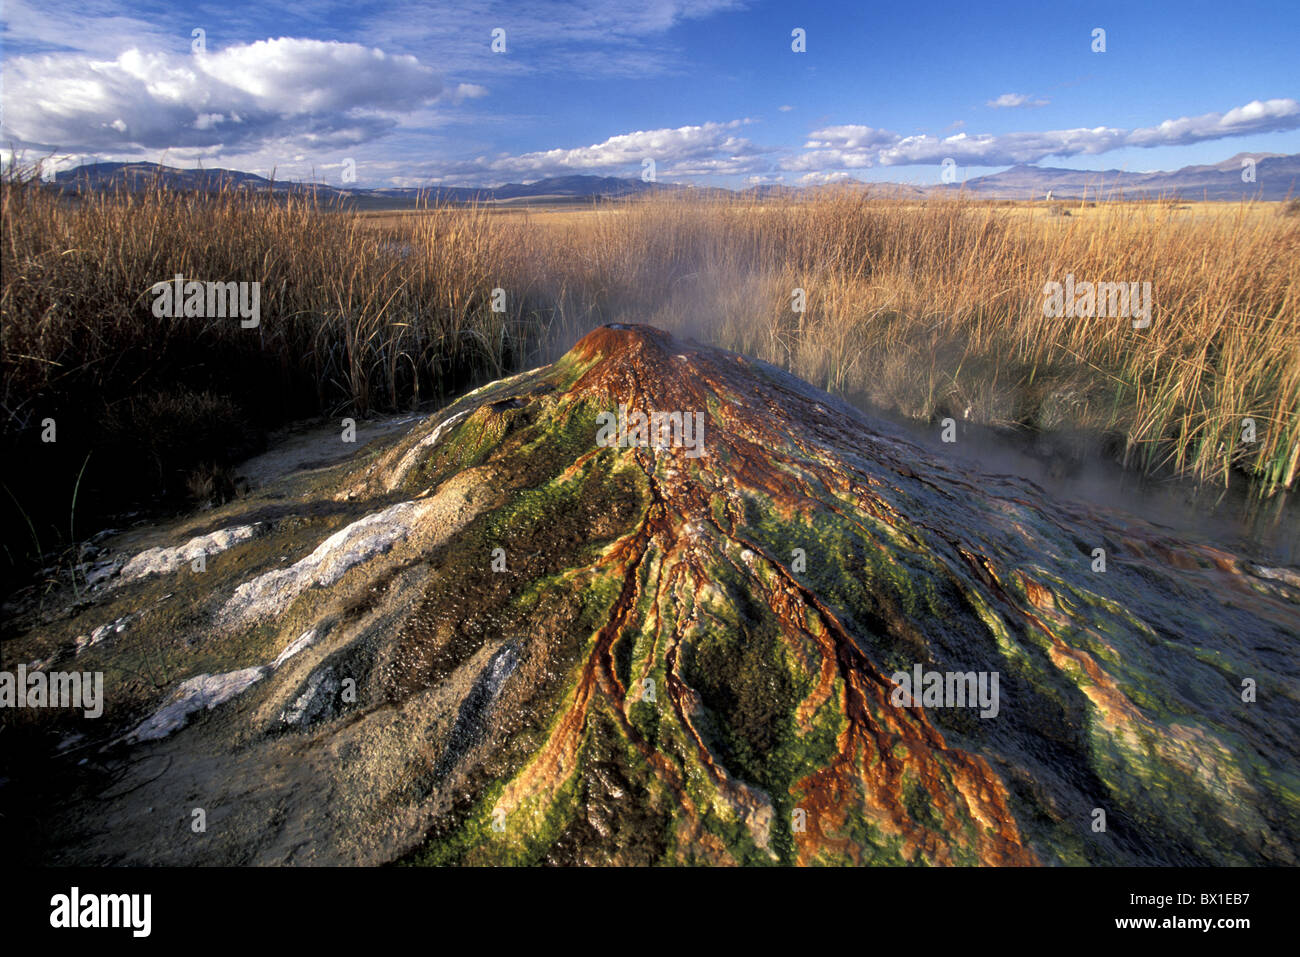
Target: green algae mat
{"type": "Point", "coordinates": [657, 603]}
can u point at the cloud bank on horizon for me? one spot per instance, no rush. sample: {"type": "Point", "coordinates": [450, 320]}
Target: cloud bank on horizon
{"type": "Point", "coordinates": [717, 92]}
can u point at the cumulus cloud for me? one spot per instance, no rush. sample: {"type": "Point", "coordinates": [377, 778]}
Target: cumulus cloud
{"type": "Point", "coordinates": [1258, 116]}
{"type": "Point", "coordinates": [829, 159]}
{"type": "Point", "coordinates": [840, 147]}
{"type": "Point", "coordinates": [855, 147]}
{"type": "Point", "coordinates": [709, 149]}
{"type": "Point", "coordinates": [316, 93]}
{"type": "Point", "coordinates": [849, 138]}
{"type": "Point", "coordinates": [1012, 100]}
{"type": "Point", "coordinates": [466, 91]}
{"type": "Point", "coordinates": [1001, 150]}
{"type": "Point", "coordinates": [824, 179]}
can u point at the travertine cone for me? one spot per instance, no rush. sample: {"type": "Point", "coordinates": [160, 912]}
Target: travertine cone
{"type": "Point", "coordinates": [691, 657]}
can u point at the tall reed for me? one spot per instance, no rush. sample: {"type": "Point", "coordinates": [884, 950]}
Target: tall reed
{"type": "Point", "coordinates": [930, 309]}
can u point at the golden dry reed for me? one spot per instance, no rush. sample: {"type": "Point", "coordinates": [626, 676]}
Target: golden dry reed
{"type": "Point", "coordinates": [937, 308]}
{"type": "Point", "coordinates": [929, 308]}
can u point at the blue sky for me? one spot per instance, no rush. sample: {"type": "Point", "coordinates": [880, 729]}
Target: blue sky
{"type": "Point", "coordinates": [412, 92]}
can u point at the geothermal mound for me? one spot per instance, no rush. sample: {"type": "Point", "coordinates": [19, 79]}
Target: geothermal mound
{"type": "Point", "coordinates": [657, 603]}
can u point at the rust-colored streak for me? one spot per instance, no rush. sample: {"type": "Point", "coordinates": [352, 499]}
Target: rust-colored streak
{"type": "Point", "coordinates": [635, 365]}
{"type": "Point", "coordinates": [770, 439]}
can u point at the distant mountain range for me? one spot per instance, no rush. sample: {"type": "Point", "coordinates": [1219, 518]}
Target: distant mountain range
{"type": "Point", "coordinates": [555, 189]}
{"type": "Point", "coordinates": [1276, 177]}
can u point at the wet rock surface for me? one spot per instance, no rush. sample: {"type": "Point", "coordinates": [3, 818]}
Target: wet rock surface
{"type": "Point", "coordinates": [494, 639]}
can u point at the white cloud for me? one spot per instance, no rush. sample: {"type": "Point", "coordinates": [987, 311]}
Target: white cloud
{"type": "Point", "coordinates": [849, 137]}
{"type": "Point", "coordinates": [830, 159]}
{"type": "Point", "coordinates": [853, 147]}
{"type": "Point", "coordinates": [785, 109]}
{"type": "Point", "coordinates": [824, 179]}
{"type": "Point", "coordinates": [590, 38]}
{"type": "Point", "coordinates": [1257, 116]}
{"type": "Point", "coordinates": [316, 93]}
{"type": "Point", "coordinates": [1011, 100]}
{"type": "Point", "coordinates": [91, 27]}
{"type": "Point", "coordinates": [840, 147]}
{"type": "Point", "coordinates": [709, 149]}
{"type": "Point", "coordinates": [467, 91]}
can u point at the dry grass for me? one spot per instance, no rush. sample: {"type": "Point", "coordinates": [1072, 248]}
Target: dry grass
{"type": "Point", "coordinates": [352, 319]}
{"type": "Point", "coordinates": [368, 317]}
{"type": "Point", "coordinates": [937, 309]}
{"type": "Point", "coordinates": [930, 309]}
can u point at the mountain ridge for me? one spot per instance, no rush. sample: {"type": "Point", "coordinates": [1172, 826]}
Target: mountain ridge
{"type": "Point", "coordinates": [1276, 177]}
